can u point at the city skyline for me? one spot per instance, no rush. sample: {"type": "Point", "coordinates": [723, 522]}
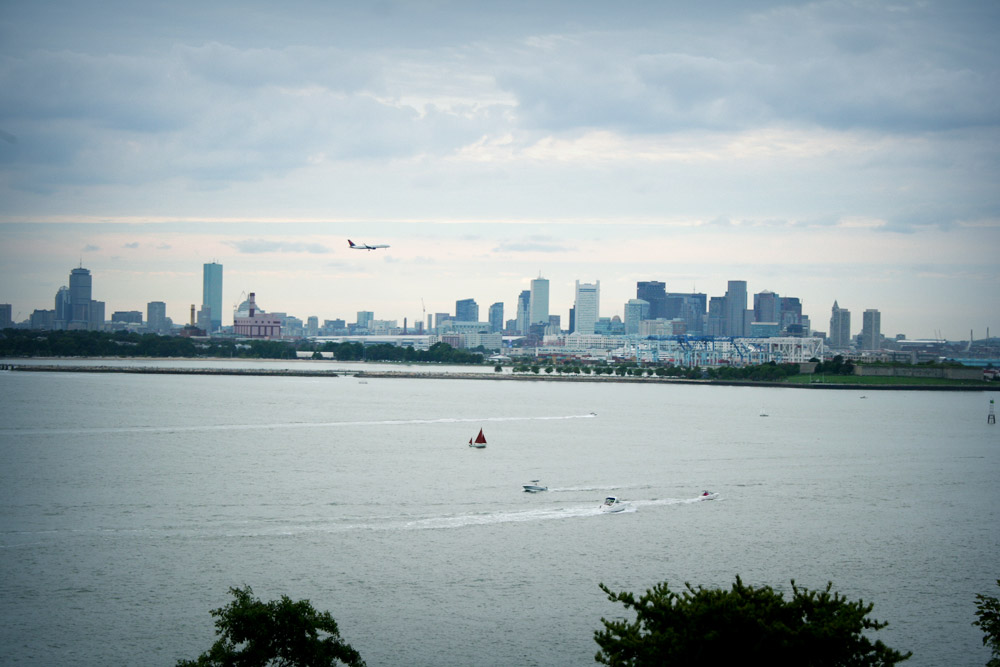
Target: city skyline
{"type": "Point", "coordinates": [803, 148]}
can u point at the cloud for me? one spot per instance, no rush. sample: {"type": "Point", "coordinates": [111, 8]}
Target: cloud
{"type": "Point", "coordinates": [260, 246]}
{"type": "Point", "coordinates": [134, 244]}
{"type": "Point", "coordinates": [91, 248]}
{"type": "Point", "coordinates": [532, 244]}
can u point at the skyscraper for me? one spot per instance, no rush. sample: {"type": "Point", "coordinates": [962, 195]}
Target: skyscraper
{"type": "Point", "coordinates": [636, 310]}
{"type": "Point", "coordinates": [466, 310]}
{"type": "Point", "coordinates": [766, 307]}
{"type": "Point", "coordinates": [79, 298]}
{"type": "Point", "coordinates": [871, 330]}
{"type": "Point", "coordinates": [523, 311]}
{"type": "Point", "coordinates": [5, 318]}
{"type": "Point", "coordinates": [586, 305]}
{"type": "Point", "coordinates": [654, 293]}
{"type": "Point", "coordinates": [840, 327]}
{"type": "Point", "coordinates": [156, 316]}
{"type": "Point", "coordinates": [496, 317]}
{"type": "Point", "coordinates": [539, 301]}
{"type": "Point", "coordinates": [211, 293]}
{"type": "Point", "coordinates": [735, 309]}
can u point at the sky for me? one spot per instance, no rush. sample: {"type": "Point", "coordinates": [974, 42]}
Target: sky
{"type": "Point", "coordinates": [837, 150]}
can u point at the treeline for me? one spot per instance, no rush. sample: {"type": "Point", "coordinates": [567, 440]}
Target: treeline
{"type": "Point", "coordinates": [33, 343]}
{"type": "Point", "coordinates": [769, 372]}
{"type": "Point", "coordinates": [441, 353]}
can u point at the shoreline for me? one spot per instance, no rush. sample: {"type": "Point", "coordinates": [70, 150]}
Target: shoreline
{"type": "Point", "coordinates": [375, 374]}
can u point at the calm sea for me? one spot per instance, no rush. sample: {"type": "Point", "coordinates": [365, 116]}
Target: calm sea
{"type": "Point", "coordinates": [129, 504]}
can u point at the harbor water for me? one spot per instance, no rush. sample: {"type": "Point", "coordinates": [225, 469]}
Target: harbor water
{"type": "Point", "coordinates": [130, 504]}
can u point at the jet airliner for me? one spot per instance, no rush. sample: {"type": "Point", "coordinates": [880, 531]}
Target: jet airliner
{"type": "Point", "coordinates": [364, 246]}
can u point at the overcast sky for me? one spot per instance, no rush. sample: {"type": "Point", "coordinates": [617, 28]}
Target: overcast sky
{"type": "Point", "coordinates": [830, 151]}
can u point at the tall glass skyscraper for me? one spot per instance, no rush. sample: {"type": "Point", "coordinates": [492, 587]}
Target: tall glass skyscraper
{"type": "Point", "coordinates": [587, 306]}
{"type": "Point", "coordinates": [211, 293]}
{"type": "Point", "coordinates": [80, 294]}
{"type": "Point", "coordinates": [539, 301]}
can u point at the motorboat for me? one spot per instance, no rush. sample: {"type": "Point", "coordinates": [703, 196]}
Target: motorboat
{"type": "Point", "coordinates": [708, 495]}
{"type": "Point", "coordinates": [611, 504]}
{"type": "Point", "coordinates": [534, 487]}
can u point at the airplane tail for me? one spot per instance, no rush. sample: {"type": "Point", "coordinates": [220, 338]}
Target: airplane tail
{"type": "Point", "coordinates": [350, 242]}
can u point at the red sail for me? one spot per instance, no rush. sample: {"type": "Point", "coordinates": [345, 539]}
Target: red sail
{"type": "Point", "coordinates": [481, 439]}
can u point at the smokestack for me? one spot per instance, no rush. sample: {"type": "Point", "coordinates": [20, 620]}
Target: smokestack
{"type": "Point", "coordinates": [192, 315]}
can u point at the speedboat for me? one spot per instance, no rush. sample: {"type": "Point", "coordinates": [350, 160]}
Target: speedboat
{"type": "Point", "coordinates": [534, 487]}
{"type": "Point", "coordinates": [611, 504]}
{"type": "Point", "coordinates": [708, 495]}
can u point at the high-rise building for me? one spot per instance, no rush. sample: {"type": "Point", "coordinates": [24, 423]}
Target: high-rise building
{"type": "Point", "coordinates": [688, 307]}
{"type": "Point", "coordinates": [654, 293]}
{"type": "Point", "coordinates": [496, 317]}
{"type": "Point", "coordinates": [716, 319]}
{"type": "Point", "coordinates": [840, 327]}
{"type": "Point", "coordinates": [63, 308]}
{"type": "Point", "coordinates": [539, 301]}
{"type": "Point", "coordinates": [766, 307]}
{"type": "Point", "coordinates": [365, 318]}
{"type": "Point", "coordinates": [5, 316]}
{"type": "Point", "coordinates": [791, 312]}
{"type": "Point", "coordinates": [211, 293]}
{"type": "Point", "coordinates": [312, 326]}
{"type": "Point", "coordinates": [636, 310]}
{"type": "Point", "coordinates": [586, 305]}
{"type": "Point", "coordinates": [871, 330]}
{"type": "Point", "coordinates": [466, 310]}
{"type": "Point", "coordinates": [96, 309]}
{"type": "Point", "coordinates": [523, 311]}
{"type": "Point", "coordinates": [80, 287]}
{"type": "Point", "coordinates": [735, 315]}
{"type": "Point", "coordinates": [156, 316]}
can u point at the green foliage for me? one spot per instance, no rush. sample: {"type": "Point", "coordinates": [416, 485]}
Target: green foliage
{"type": "Point", "coordinates": [836, 366]}
{"type": "Point", "coordinates": [769, 372]}
{"type": "Point", "coordinates": [742, 626]}
{"type": "Point", "coordinates": [988, 613]}
{"type": "Point", "coordinates": [253, 633]}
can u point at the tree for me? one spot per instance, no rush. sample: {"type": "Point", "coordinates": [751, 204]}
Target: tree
{"type": "Point", "coordinates": [988, 613]}
{"type": "Point", "coordinates": [741, 626]}
{"type": "Point", "coordinates": [279, 632]}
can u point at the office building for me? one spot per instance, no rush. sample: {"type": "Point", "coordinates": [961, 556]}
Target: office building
{"type": "Point", "coordinates": [689, 307]}
{"type": "Point", "coordinates": [636, 310]}
{"type": "Point", "coordinates": [5, 316]}
{"type": "Point", "coordinates": [80, 285]}
{"type": "Point", "coordinates": [766, 307]}
{"type": "Point", "coordinates": [840, 327]}
{"type": "Point", "coordinates": [127, 316]}
{"type": "Point", "coordinates": [63, 308]}
{"type": "Point", "coordinates": [539, 301]}
{"type": "Point", "coordinates": [156, 316]}
{"type": "Point", "coordinates": [871, 330]}
{"type": "Point", "coordinates": [523, 311]}
{"type": "Point", "coordinates": [364, 321]}
{"type": "Point", "coordinates": [586, 306]}
{"type": "Point", "coordinates": [211, 293]}
{"type": "Point", "coordinates": [735, 314]}
{"type": "Point", "coordinates": [466, 310]}
{"type": "Point", "coordinates": [654, 293]}
{"type": "Point", "coordinates": [496, 317]}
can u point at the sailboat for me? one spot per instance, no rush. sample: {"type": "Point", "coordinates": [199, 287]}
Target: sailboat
{"type": "Point", "coordinates": [479, 442]}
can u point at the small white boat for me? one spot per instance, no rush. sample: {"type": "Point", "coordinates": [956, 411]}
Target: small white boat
{"type": "Point", "coordinates": [708, 495]}
{"type": "Point", "coordinates": [534, 487]}
{"type": "Point", "coordinates": [479, 442]}
{"type": "Point", "coordinates": [763, 413]}
{"type": "Point", "coordinates": [611, 504]}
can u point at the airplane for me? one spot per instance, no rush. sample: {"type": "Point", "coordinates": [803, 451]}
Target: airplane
{"type": "Point", "coordinates": [364, 246]}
